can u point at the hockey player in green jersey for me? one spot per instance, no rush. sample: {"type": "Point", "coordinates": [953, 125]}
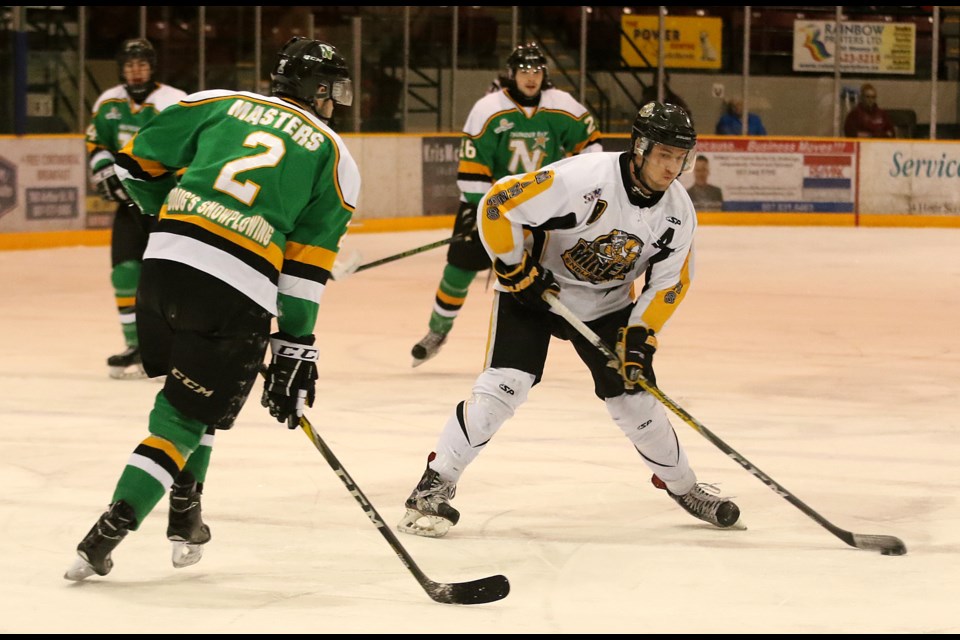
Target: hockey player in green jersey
{"type": "Point", "coordinates": [519, 128]}
{"type": "Point", "coordinates": [248, 232]}
{"type": "Point", "coordinates": [612, 236]}
{"type": "Point", "coordinates": [118, 114]}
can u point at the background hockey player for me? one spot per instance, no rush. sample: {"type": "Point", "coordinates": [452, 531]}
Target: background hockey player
{"type": "Point", "coordinates": [589, 229]}
{"type": "Point", "coordinates": [250, 231]}
{"type": "Point", "coordinates": [519, 128]}
{"type": "Point", "coordinates": [118, 114]}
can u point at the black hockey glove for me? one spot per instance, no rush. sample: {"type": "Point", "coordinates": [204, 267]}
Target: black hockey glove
{"type": "Point", "coordinates": [527, 281]}
{"type": "Point", "coordinates": [635, 346]}
{"type": "Point", "coordinates": [466, 222]}
{"type": "Point", "coordinates": [291, 377]}
{"type": "Point", "coordinates": [109, 186]}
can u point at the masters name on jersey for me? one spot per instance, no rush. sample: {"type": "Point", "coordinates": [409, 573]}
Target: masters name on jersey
{"type": "Point", "coordinates": [299, 131]}
{"type": "Point", "coordinates": [181, 201]}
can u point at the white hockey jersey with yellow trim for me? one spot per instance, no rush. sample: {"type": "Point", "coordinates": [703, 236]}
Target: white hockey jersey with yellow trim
{"type": "Point", "coordinates": [582, 220]}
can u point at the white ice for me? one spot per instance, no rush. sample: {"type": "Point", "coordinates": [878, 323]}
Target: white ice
{"type": "Point", "coordinates": [827, 357]}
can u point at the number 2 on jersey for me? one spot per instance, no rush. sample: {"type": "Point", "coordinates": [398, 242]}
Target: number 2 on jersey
{"type": "Point", "coordinates": [246, 191]}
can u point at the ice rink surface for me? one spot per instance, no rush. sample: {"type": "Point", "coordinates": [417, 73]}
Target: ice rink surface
{"type": "Point", "coordinates": [827, 357]}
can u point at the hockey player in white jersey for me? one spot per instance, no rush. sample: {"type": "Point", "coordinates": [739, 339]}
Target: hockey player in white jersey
{"type": "Point", "coordinates": [612, 235]}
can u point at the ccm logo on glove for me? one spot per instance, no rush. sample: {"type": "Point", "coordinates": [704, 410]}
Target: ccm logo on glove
{"type": "Point", "coordinates": [299, 352]}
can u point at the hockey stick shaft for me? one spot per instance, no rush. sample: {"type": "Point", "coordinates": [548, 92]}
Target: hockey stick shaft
{"type": "Point", "coordinates": [410, 252]}
{"type": "Point", "coordinates": [887, 545]}
{"type": "Point", "coordinates": [484, 590]}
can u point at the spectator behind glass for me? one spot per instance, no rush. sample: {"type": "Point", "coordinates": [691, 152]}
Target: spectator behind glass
{"type": "Point", "coordinates": [731, 122]}
{"type": "Point", "coordinates": [866, 119]}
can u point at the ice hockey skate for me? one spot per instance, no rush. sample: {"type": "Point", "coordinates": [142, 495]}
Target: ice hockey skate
{"type": "Point", "coordinates": [429, 512]}
{"type": "Point", "coordinates": [95, 548]}
{"type": "Point", "coordinates": [703, 502]}
{"type": "Point", "coordinates": [185, 527]}
{"type": "Point", "coordinates": [126, 365]}
{"type": "Point", "coordinates": [428, 347]}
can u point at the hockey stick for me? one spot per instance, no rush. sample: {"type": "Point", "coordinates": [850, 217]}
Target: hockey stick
{"type": "Point", "coordinates": [484, 590]}
{"type": "Point", "coordinates": [886, 545]}
{"type": "Point", "coordinates": [340, 272]}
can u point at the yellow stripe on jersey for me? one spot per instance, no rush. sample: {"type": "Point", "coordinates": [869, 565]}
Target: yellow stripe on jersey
{"type": "Point", "coordinates": [168, 448]}
{"type": "Point", "coordinates": [497, 230]}
{"type": "Point", "coordinates": [307, 254]}
{"type": "Point", "coordinates": [498, 233]}
{"type": "Point", "coordinates": [475, 168]}
{"type": "Point", "coordinates": [665, 301]}
{"type": "Point", "coordinates": [126, 301]}
{"type": "Point", "coordinates": [150, 167]}
{"type": "Point", "coordinates": [271, 253]}
{"type": "Point", "coordinates": [580, 147]}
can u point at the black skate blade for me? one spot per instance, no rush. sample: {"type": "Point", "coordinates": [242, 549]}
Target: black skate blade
{"type": "Point", "coordinates": [481, 591]}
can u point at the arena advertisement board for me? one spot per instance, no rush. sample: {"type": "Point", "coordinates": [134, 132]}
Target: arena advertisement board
{"type": "Point", "coordinates": [689, 42]}
{"type": "Point", "coordinates": [865, 47]}
{"type": "Point", "coordinates": [910, 178]}
{"type": "Point", "coordinates": [43, 183]}
{"type": "Point", "coordinates": [440, 158]}
{"type": "Point", "coordinates": [778, 175]}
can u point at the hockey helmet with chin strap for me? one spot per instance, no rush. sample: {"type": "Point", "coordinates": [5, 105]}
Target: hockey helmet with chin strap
{"type": "Point", "coordinates": [311, 70]}
{"type": "Point", "coordinates": [137, 49]}
{"type": "Point", "coordinates": [667, 124]}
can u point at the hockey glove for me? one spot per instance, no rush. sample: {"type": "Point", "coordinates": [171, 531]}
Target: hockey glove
{"type": "Point", "coordinates": [109, 186]}
{"type": "Point", "coordinates": [291, 377]}
{"type": "Point", "coordinates": [466, 222]}
{"type": "Point", "coordinates": [527, 281]}
{"type": "Point", "coordinates": [635, 346]}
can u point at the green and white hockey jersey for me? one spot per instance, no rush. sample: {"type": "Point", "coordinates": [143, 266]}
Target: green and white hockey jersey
{"type": "Point", "coordinates": [500, 138]}
{"type": "Point", "coordinates": [251, 189]}
{"type": "Point", "coordinates": [116, 119]}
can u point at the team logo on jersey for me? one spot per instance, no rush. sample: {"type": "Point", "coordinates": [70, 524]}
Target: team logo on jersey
{"type": "Point", "coordinates": [505, 125]}
{"type": "Point", "coordinates": [113, 114]}
{"type": "Point", "coordinates": [609, 257]}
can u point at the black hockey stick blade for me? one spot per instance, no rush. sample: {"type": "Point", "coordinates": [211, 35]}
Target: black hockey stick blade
{"type": "Point", "coordinates": [482, 591]}
{"type": "Point", "coordinates": [886, 545]}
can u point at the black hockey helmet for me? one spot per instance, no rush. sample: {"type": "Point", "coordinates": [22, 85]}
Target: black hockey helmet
{"type": "Point", "coordinates": [663, 123]}
{"type": "Point", "coordinates": [137, 49]}
{"type": "Point", "coordinates": [528, 57]}
{"type": "Point", "coordinates": [310, 70]}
